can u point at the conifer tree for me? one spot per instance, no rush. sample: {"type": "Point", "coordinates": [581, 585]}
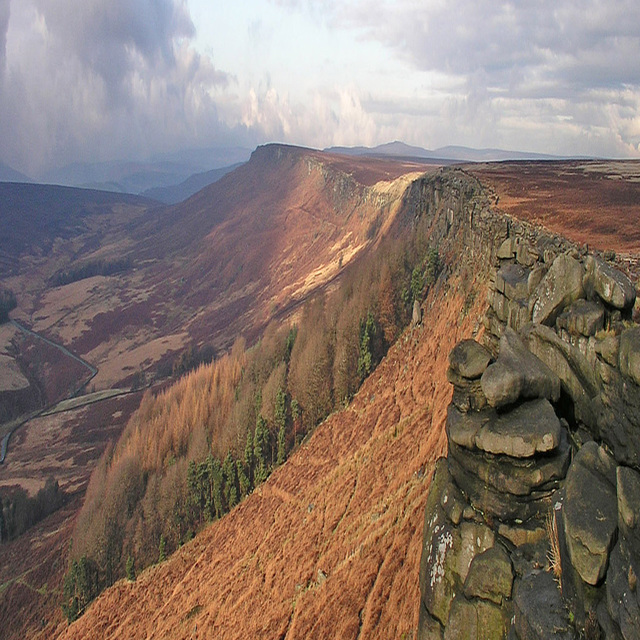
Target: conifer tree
{"type": "Point", "coordinates": [217, 503]}
{"type": "Point", "coordinates": [230, 477]}
{"type": "Point", "coordinates": [281, 424]}
{"type": "Point", "coordinates": [291, 338]}
{"type": "Point", "coordinates": [282, 446]}
{"type": "Point", "coordinates": [249, 458]}
{"type": "Point", "coordinates": [366, 361]}
{"type": "Point", "coordinates": [243, 480]}
{"type": "Point", "coordinates": [80, 587]}
{"type": "Point", "coordinates": [295, 418]}
{"type": "Point", "coordinates": [162, 549]}
{"type": "Point", "coordinates": [130, 569]}
{"type": "Point", "coordinates": [260, 451]}
{"type": "Point", "coordinates": [193, 493]}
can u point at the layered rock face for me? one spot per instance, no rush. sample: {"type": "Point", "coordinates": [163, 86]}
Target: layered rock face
{"type": "Point", "coordinates": [532, 527]}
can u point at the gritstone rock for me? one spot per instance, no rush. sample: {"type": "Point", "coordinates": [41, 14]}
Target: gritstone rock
{"type": "Point", "coordinates": [560, 287]}
{"type": "Point", "coordinates": [517, 373]}
{"type": "Point", "coordinates": [469, 359]}
{"type": "Point", "coordinates": [610, 284]}
{"type": "Point", "coordinates": [538, 609]}
{"type": "Point", "coordinates": [490, 576]}
{"type": "Point", "coordinates": [582, 317]}
{"type": "Point", "coordinates": [590, 512]}
{"type": "Point", "coordinates": [630, 354]}
{"type": "Point", "coordinates": [530, 428]}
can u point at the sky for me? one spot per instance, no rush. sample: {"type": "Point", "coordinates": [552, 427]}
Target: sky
{"type": "Point", "coordinates": [98, 80]}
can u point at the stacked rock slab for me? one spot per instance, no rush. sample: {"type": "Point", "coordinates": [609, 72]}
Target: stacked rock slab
{"type": "Point", "coordinates": [543, 447]}
{"type": "Point", "coordinates": [507, 454]}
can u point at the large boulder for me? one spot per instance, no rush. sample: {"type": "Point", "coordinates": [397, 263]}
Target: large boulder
{"type": "Point", "coordinates": [462, 427]}
{"type": "Point", "coordinates": [530, 428]}
{"type": "Point", "coordinates": [590, 513]}
{"type": "Point", "coordinates": [582, 317]}
{"type": "Point", "coordinates": [507, 249]}
{"type": "Point", "coordinates": [447, 550]}
{"type": "Point", "coordinates": [561, 286]}
{"type": "Point", "coordinates": [623, 596]}
{"type": "Point", "coordinates": [515, 476]}
{"type": "Point", "coordinates": [490, 576]}
{"type": "Point", "coordinates": [492, 503]}
{"type": "Point", "coordinates": [428, 627]}
{"type": "Point", "coordinates": [628, 493]}
{"type": "Point", "coordinates": [607, 346]}
{"type": "Point", "coordinates": [577, 376]}
{"type": "Point", "coordinates": [511, 281]}
{"type": "Point", "coordinates": [629, 355]}
{"type": "Point", "coordinates": [610, 284]}
{"type": "Point", "coordinates": [477, 620]}
{"type": "Point", "coordinates": [517, 373]}
{"type": "Point", "coordinates": [469, 359]}
{"type": "Point", "coordinates": [467, 393]}
{"type": "Point", "coordinates": [539, 612]}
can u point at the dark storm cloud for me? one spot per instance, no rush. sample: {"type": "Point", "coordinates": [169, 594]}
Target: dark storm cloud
{"type": "Point", "coordinates": [92, 80]}
{"type": "Point", "coordinates": [111, 37]}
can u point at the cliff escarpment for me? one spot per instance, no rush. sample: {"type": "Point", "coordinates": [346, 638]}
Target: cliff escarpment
{"type": "Point", "coordinates": [331, 544]}
{"type": "Point", "coordinates": [531, 528]}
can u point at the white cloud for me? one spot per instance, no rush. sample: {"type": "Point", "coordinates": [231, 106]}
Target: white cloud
{"type": "Point", "coordinates": [84, 80]}
{"type": "Point", "coordinates": [565, 71]}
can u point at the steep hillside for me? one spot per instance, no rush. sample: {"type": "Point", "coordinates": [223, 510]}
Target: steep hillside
{"type": "Point", "coordinates": [329, 545]}
{"type": "Point", "coordinates": [141, 284]}
{"type": "Point", "coordinates": [242, 251]}
{"type": "Point", "coordinates": [329, 527]}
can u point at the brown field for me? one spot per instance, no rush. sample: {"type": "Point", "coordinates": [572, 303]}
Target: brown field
{"type": "Point", "coordinates": [590, 202]}
{"type": "Point", "coordinates": [67, 446]}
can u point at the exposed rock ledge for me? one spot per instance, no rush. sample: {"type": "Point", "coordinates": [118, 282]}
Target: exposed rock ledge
{"type": "Point", "coordinates": [544, 444]}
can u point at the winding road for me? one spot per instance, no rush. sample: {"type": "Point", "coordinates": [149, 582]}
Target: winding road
{"type": "Point", "coordinates": [4, 445]}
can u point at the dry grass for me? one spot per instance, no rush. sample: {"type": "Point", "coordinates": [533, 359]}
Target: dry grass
{"type": "Point", "coordinates": [553, 555]}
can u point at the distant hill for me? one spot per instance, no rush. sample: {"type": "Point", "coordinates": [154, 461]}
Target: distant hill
{"type": "Point", "coordinates": [448, 153]}
{"type": "Point", "coordinates": [33, 216]}
{"type": "Point", "coordinates": [138, 177]}
{"type": "Point", "coordinates": [179, 192]}
{"type": "Point", "coordinates": [467, 154]}
{"type": "Point", "coordinates": [7, 174]}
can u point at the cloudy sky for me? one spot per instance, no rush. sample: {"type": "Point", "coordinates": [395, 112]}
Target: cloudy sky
{"type": "Point", "coordinates": [92, 80]}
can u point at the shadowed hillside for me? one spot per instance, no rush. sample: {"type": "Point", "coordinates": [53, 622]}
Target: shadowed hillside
{"type": "Point", "coordinates": [138, 285]}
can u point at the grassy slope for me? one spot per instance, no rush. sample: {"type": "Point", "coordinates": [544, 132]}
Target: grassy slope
{"type": "Point", "coordinates": [330, 545]}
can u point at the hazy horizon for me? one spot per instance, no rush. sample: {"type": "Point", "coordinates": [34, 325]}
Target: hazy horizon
{"type": "Point", "coordinates": [133, 79]}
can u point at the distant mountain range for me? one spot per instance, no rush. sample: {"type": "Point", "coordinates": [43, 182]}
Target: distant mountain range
{"type": "Point", "coordinates": [171, 178]}
{"type": "Point", "coordinates": [179, 192]}
{"type": "Point", "coordinates": [159, 172]}
{"type": "Point", "coordinates": [7, 174]}
{"type": "Point", "coordinates": [449, 153]}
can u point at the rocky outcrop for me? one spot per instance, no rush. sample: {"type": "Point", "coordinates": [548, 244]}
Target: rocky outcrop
{"type": "Point", "coordinates": [532, 527]}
